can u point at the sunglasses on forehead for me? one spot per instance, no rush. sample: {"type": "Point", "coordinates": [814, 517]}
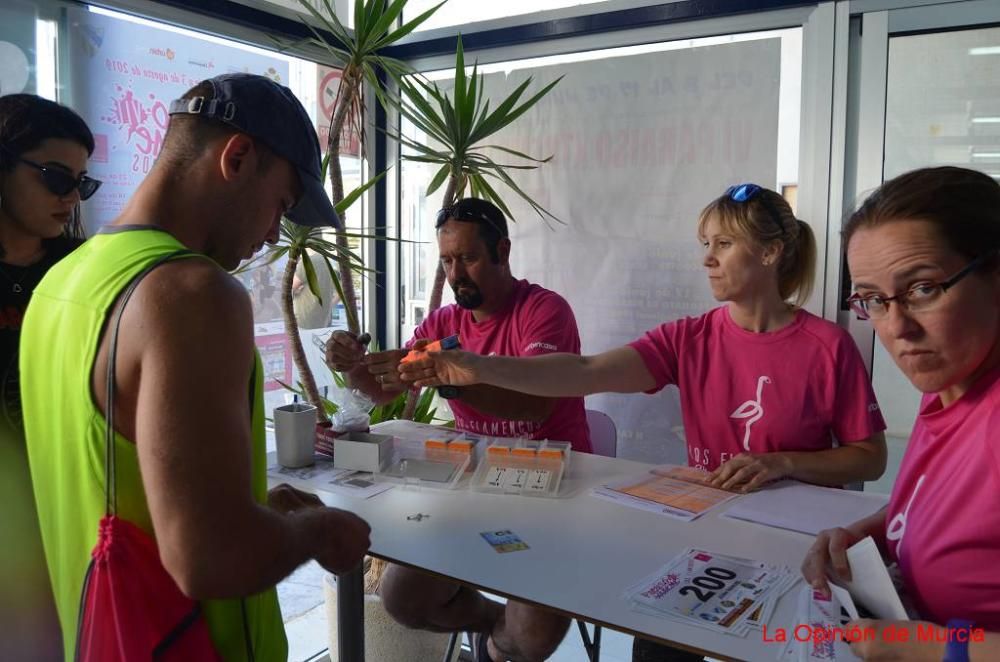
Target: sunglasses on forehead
{"type": "Point", "coordinates": [747, 192]}
{"type": "Point", "coordinates": [460, 213]}
{"type": "Point", "coordinates": [59, 182]}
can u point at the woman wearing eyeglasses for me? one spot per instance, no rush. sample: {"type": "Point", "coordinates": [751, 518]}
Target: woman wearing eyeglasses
{"type": "Point", "coordinates": [924, 256]}
{"type": "Point", "coordinates": [44, 149]}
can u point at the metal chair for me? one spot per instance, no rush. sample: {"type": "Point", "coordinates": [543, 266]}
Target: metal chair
{"type": "Point", "coordinates": [603, 441]}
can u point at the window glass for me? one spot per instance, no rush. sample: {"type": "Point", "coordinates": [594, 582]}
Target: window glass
{"type": "Point", "coordinates": [120, 73]}
{"type": "Point", "coordinates": [460, 12]}
{"type": "Point", "coordinates": [942, 108]}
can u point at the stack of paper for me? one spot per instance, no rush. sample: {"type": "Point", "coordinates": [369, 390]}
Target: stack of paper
{"type": "Point", "coordinates": [679, 492]}
{"type": "Point", "coordinates": [821, 628]}
{"type": "Point", "coordinates": [820, 631]}
{"type": "Point", "coordinates": [715, 591]}
{"type": "Point", "coordinates": [323, 476]}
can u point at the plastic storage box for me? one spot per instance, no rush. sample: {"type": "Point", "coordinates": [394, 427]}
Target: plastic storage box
{"type": "Point", "coordinates": [431, 463]}
{"type": "Point", "coordinates": [362, 451]}
{"type": "Point", "coordinates": [523, 466]}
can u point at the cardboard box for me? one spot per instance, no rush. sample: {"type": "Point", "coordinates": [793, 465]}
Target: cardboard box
{"type": "Point", "coordinates": [362, 451]}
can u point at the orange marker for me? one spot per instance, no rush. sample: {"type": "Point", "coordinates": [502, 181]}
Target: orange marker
{"type": "Point", "coordinates": [451, 342]}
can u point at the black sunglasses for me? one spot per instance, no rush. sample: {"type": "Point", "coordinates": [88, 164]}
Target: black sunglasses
{"type": "Point", "coordinates": [60, 182]}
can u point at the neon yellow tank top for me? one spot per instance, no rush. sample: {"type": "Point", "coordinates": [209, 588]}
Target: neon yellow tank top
{"type": "Point", "coordinates": [65, 435]}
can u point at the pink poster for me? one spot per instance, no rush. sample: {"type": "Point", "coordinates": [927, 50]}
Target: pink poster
{"type": "Point", "coordinates": [124, 76]}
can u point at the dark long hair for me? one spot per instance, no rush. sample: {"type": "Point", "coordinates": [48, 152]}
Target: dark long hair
{"type": "Point", "coordinates": [26, 121]}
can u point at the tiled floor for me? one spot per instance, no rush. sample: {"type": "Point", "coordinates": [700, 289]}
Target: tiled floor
{"type": "Point", "coordinates": [304, 611]}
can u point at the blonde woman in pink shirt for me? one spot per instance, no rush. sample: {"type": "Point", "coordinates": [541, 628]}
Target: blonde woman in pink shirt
{"type": "Point", "coordinates": [924, 255]}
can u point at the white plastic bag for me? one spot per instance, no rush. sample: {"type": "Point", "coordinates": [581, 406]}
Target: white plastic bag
{"type": "Point", "coordinates": [352, 410]}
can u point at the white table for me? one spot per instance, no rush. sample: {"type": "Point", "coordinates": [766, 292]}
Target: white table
{"type": "Point", "coordinates": [584, 552]}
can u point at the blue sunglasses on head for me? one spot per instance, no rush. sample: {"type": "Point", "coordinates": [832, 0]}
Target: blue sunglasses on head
{"type": "Point", "coordinates": [746, 192]}
{"type": "Point", "coordinates": [742, 192]}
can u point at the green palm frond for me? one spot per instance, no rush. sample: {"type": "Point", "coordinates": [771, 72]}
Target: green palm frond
{"type": "Point", "coordinates": [362, 47]}
{"type": "Point", "coordinates": [457, 125]}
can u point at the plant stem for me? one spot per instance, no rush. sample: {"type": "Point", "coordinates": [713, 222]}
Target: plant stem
{"type": "Point", "coordinates": [292, 332]}
{"type": "Point", "coordinates": [347, 93]}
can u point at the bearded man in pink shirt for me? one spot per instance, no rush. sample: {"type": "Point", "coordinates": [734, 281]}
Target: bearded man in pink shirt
{"type": "Point", "coordinates": [494, 314]}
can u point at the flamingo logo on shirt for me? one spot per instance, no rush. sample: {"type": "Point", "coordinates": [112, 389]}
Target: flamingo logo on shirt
{"type": "Point", "coordinates": [751, 410]}
{"type": "Point", "coordinates": [897, 526]}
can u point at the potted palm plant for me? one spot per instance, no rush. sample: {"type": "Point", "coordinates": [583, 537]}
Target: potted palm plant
{"type": "Point", "coordinates": [458, 127]}
{"type": "Point", "coordinates": [359, 54]}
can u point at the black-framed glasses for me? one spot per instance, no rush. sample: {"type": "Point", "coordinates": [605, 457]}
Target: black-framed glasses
{"type": "Point", "coordinates": [746, 193]}
{"type": "Point", "coordinates": [60, 182]}
{"type": "Point", "coordinates": [917, 299]}
{"type": "Point", "coordinates": [462, 213]}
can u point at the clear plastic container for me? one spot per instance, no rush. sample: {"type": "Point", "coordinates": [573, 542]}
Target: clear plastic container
{"type": "Point", "coordinates": [430, 463]}
{"type": "Point", "coordinates": [522, 466]}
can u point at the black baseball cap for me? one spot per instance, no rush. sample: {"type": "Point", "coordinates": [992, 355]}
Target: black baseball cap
{"type": "Point", "coordinates": [269, 112]}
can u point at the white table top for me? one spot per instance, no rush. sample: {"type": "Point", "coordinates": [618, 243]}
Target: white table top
{"type": "Point", "coordinates": [584, 551]}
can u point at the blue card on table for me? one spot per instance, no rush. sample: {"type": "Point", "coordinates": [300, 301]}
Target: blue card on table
{"type": "Point", "coordinates": [504, 541]}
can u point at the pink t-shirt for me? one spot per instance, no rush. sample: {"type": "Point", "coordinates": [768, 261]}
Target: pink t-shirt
{"type": "Point", "coordinates": [535, 321]}
{"type": "Point", "coordinates": [790, 390]}
{"type": "Point", "coordinates": [943, 520]}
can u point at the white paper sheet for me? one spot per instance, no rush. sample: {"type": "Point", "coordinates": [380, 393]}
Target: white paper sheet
{"type": "Point", "coordinates": [324, 476]}
{"type": "Point", "coordinates": [870, 583]}
{"type": "Point", "coordinates": [805, 508]}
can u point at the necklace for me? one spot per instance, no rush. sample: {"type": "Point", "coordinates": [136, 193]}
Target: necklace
{"type": "Point", "coordinates": [16, 287]}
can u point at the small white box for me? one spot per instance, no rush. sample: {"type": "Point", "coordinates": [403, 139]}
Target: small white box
{"type": "Point", "coordinates": [362, 451]}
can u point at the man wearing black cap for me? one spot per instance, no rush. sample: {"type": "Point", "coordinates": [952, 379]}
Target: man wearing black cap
{"type": "Point", "coordinates": [239, 154]}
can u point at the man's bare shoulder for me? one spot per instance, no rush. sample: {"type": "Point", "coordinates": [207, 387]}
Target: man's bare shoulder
{"type": "Point", "coordinates": [193, 288]}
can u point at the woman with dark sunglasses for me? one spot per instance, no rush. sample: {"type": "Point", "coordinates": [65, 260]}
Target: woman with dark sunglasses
{"type": "Point", "coordinates": [44, 149]}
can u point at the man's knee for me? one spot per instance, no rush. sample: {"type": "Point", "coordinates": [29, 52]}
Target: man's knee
{"type": "Point", "coordinates": [534, 633]}
{"type": "Point", "coordinates": [409, 596]}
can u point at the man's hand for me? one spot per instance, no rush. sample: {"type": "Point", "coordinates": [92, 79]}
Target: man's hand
{"type": "Point", "coordinates": [749, 471]}
{"type": "Point", "coordinates": [452, 366]}
{"type": "Point", "coordinates": [342, 538]}
{"type": "Point", "coordinates": [343, 351]}
{"type": "Point", "coordinates": [828, 555]}
{"type": "Point", "coordinates": [897, 641]}
{"type": "Point", "coordinates": [286, 499]}
{"type": "Point", "coordinates": [383, 366]}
